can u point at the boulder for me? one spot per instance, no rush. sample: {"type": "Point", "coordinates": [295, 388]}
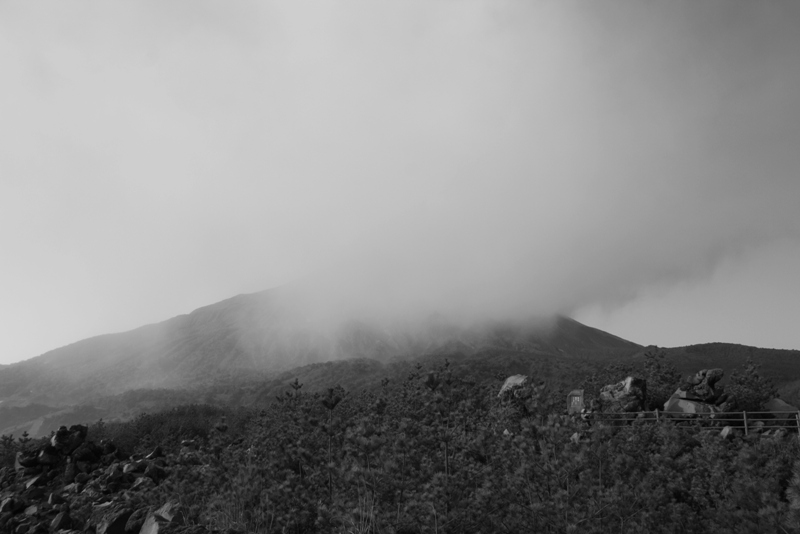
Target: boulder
{"type": "Point", "coordinates": [703, 387]}
{"type": "Point", "coordinates": [170, 512]}
{"type": "Point", "coordinates": [61, 521]}
{"type": "Point", "coordinates": [26, 460]}
{"type": "Point", "coordinates": [136, 520]}
{"type": "Point", "coordinates": [143, 483]}
{"type": "Point", "coordinates": [778, 412]}
{"type": "Point", "coordinates": [114, 521]}
{"type": "Point", "coordinates": [167, 516]}
{"type": "Point", "coordinates": [86, 453]}
{"type": "Point", "coordinates": [158, 452]}
{"type": "Point", "coordinates": [66, 440]}
{"type": "Point", "coordinates": [513, 383]}
{"type": "Point", "coordinates": [49, 456]}
{"type": "Point", "coordinates": [626, 396]}
{"type": "Point", "coordinates": [677, 406]}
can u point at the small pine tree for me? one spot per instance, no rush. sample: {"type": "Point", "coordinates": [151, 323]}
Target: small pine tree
{"type": "Point", "coordinates": [662, 377]}
{"type": "Point", "coordinates": [751, 390]}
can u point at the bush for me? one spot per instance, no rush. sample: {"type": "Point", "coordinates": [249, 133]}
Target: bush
{"type": "Point", "coordinates": [751, 390]}
{"type": "Point", "coordinates": [439, 454]}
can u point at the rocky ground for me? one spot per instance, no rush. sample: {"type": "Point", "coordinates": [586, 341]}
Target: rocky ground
{"type": "Point", "coordinates": [72, 485]}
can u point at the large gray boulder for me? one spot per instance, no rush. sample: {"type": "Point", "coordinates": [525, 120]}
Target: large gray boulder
{"type": "Point", "coordinates": [626, 396]}
{"type": "Point", "coordinates": [688, 407]}
{"type": "Point", "coordinates": [700, 394]}
{"type": "Point", "coordinates": [702, 386]}
{"type": "Point", "coordinates": [513, 384]}
{"type": "Point", "coordinates": [781, 412]}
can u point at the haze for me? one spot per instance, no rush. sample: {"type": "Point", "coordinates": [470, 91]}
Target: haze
{"type": "Point", "coordinates": [632, 164]}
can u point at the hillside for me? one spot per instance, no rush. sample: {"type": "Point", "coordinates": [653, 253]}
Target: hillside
{"type": "Point", "coordinates": [261, 335]}
{"type": "Point", "coordinates": [244, 351]}
{"type": "Point", "coordinates": [782, 366]}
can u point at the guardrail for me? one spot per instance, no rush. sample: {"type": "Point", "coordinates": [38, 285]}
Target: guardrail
{"type": "Point", "coordinates": [746, 421]}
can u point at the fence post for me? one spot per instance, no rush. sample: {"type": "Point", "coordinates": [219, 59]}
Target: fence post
{"type": "Point", "coordinates": [745, 422]}
{"type": "Point", "coordinates": [797, 417]}
{"type": "Point", "coordinates": [657, 416]}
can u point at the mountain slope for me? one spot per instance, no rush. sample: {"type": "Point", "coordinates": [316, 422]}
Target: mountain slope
{"type": "Point", "coordinates": [264, 333]}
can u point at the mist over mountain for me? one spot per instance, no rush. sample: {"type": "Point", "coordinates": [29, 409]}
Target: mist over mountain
{"type": "Point", "coordinates": [267, 332]}
{"type": "Point", "coordinates": [476, 158]}
{"type": "Point", "coordinates": [246, 349]}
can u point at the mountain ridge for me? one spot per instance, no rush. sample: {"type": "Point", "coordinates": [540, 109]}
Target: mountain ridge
{"type": "Point", "coordinates": [243, 350]}
{"type": "Point", "coordinates": [264, 332]}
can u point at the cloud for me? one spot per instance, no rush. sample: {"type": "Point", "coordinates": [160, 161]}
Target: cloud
{"type": "Point", "coordinates": [491, 158]}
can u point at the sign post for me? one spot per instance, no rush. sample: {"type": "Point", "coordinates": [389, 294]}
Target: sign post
{"type": "Point", "coordinates": [575, 401]}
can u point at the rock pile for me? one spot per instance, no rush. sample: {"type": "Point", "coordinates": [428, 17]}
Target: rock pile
{"type": "Point", "coordinates": [513, 386]}
{"type": "Point", "coordinates": [701, 393]}
{"type": "Point", "coordinates": [626, 396]}
{"type": "Point", "coordinates": [521, 393]}
{"type": "Point", "coordinates": [71, 485]}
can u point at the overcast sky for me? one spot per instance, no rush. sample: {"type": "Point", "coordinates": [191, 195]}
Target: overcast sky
{"type": "Point", "coordinates": [633, 164]}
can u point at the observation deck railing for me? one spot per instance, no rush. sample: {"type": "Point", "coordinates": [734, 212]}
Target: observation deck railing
{"type": "Point", "coordinates": [746, 421]}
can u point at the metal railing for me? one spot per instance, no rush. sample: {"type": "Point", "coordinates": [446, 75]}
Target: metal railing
{"type": "Point", "coordinates": [746, 421]}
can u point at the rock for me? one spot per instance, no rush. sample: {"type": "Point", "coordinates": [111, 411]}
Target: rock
{"type": "Point", "coordinates": [624, 397]}
{"type": "Point", "coordinates": [73, 488]}
{"type": "Point", "coordinates": [70, 472]}
{"type": "Point", "coordinates": [85, 453]}
{"type": "Point", "coordinates": [55, 499]}
{"type": "Point", "coordinates": [170, 512]}
{"type": "Point", "coordinates": [155, 473]}
{"type": "Point", "coordinates": [702, 386]}
{"type": "Point", "coordinates": [512, 383]}
{"type": "Point", "coordinates": [114, 522]}
{"type": "Point", "coordinates": [137, 519]}
{"type": "Point", "coordinates": [61, 521]}
{"type": "Point", "coordinates": [12, 505]}
{"type": "Point", "coordinates": [680, 407]}
{"type": "Point", "coordinates": [114, 472]}
{"type": "Point", "coordinates": [157, 453]}
{"type": "Point", "coordinates": [49, 456]}
{"type": "Point", "coordinates": [60, 437]}
{"type": "Point", "coordinates": [77, 435]}
{"type": "Point", "coordinates": [150, 525]}
{"type": "Point", "coordinates": [168, 516]}
{"type": "Point", "coordinates": [780, 433]}
{"type": "Point", "coordinates": [778, 409]}
{"type": "Point", "coordinates": [143, 483]}
{"type": "Point", "coordinates": [729, 432]}
{"type": "Point", "coordinates": [136, 467]}
{"type": "Point", "coordinates": [26, 460]}
{"type": "Point", "coordinates": [6, 505]}
{"type": "Point", "coordinates": [35, 481]}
